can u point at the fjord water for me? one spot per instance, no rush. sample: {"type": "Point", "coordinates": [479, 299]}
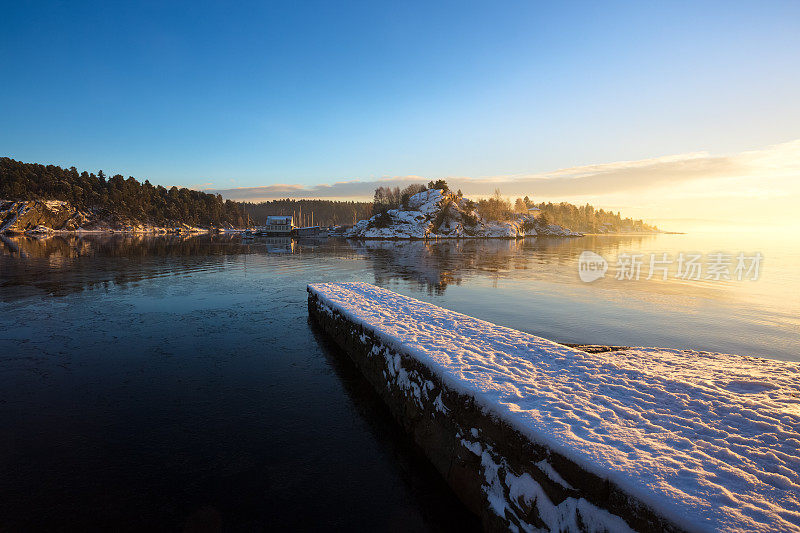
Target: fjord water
{"type": "Point", "coordinates": [177, 382]}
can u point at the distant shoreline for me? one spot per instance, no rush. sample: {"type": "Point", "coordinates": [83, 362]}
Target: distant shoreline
{"type": "Point", "coordinates": [632, 233]}
{"type": "Point", "coordinates": [211, 231]}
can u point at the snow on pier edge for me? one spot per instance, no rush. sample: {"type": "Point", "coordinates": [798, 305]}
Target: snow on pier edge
{"type": "Point", "coordinates": [711, 441]}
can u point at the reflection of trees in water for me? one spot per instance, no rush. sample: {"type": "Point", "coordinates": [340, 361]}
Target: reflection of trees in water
{"type": "Point", "coordinates": [433, 265]}
{"type": "Point", "coordinates": [62, 264]}
{"type": "Point", "coordinates": [68, 263]}
{"type": "Point", "coordinates": [70, 246]}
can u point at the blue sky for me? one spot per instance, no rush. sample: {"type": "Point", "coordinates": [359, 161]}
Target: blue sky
{"type": "Point", "coordinates": [232, 95]}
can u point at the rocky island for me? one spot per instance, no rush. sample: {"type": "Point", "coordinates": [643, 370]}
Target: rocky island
{"type": "Point", "coordinates": [438, 213]}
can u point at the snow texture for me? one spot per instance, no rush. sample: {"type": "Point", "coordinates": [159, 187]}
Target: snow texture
{"type": "Point", "coordinates": [711, 441]}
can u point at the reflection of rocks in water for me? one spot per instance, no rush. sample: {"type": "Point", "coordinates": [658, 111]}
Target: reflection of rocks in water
{"type": "Point", "coordinates": [117, 245]}
{"type": "Point", "coordinates": [436, 264]}
{"type": "Point", "coordinates": [10, 247]}
{"type": "Point", "coordinates": [68, 263]}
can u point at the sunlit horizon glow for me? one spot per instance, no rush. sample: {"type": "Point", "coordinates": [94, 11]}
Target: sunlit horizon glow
{"type": "Point", "coordinates": [749, 190]}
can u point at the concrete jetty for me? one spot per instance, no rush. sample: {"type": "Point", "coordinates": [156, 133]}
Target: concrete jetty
{"type": "Point", "coordinates": [533, 435]}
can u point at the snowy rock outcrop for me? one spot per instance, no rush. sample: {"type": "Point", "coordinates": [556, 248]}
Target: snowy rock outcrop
{"type": "Point", "coordinates": [37, 216]}
{"type": "Point", "coordinates": [554, 230]}
{"type": "Point", "coordinates": [435, 213]}
{"type": "Point", "coordinates": [40, 218]}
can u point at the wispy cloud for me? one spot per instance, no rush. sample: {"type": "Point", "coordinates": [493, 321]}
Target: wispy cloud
{"type": "Point", "coordinates": [351, 190]}
{"type": "Point", "coordinates": [749, 168]}
{"type": "Point", "coordinates": [201, 186]}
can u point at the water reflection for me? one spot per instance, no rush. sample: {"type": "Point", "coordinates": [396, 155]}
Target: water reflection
{"type": "Point", "coordinates": [530, 284]}
{"type": "Point", "coordinates": [66, 263]}
{"type": "Point", "coordinates": [433, 265]}
{"type": "Point", "coordinates": [62, 264]}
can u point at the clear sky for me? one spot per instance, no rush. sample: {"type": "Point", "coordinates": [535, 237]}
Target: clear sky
{"type": "Point", "coordinates": [234, 95]}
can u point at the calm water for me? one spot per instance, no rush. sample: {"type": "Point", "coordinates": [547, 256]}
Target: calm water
{"type": "Point", "coordinates": [175, 383]}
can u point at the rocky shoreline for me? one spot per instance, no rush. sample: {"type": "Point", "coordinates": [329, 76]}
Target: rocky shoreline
{"type": "Point", "coordinates": [41, 218]}
{"type": "Point", "coordinates": [430, 214]}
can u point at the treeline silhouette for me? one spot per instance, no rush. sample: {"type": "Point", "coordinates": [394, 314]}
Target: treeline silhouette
{"type": "Point", "coordinates": [325, 212]}
{"type": "Point", "coordinates": [587, 219]}
{"type": "Point", "coordinates": [126, 200]}
{"type": "Point", "coordinates": [116, 198]}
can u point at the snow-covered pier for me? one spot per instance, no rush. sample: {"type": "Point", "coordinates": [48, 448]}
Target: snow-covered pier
{"type": "Point", "coordinates": [534, 435]}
